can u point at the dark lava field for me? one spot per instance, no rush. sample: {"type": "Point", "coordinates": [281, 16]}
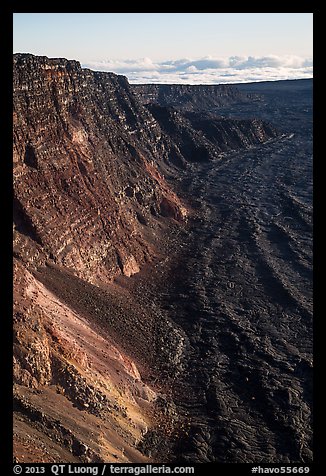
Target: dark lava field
{"type": "Point", "coordinates": [242, 292]}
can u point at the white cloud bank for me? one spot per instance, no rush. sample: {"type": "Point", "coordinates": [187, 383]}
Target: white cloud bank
{"type": "Point", "coordinates": [209, 70]}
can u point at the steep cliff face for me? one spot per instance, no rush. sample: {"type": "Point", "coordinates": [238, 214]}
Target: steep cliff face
{"type": "Point", "coordinates": [189, 97]}
{"type": "Point", "coordinates": [91, 203]}
{"type": "Point", "coordinates": [85, 180]}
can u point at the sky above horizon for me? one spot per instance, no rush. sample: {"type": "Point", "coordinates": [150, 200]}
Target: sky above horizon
{"type": "Point", "coordinates": [193, 48]}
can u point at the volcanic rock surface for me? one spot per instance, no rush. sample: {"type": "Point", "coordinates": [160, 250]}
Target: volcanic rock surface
{"type": "Point", "coordinates": [189, 97]}
{"type": "Point", "coordinates": [138, 225]}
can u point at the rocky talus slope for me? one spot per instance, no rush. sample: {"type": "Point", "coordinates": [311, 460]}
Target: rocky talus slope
{"type": "Point", "coordinates": [93, 204]}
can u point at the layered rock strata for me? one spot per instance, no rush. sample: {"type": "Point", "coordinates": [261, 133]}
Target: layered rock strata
{"type": "Point", "coordinates": [189, 97]}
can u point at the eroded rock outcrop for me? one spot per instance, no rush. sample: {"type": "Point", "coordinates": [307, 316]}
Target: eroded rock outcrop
{"type": "Point", "coordinates": [203, 136]}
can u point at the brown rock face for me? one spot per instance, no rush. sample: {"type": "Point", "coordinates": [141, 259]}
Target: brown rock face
{"type": "Point", "coordinates": [88, 197]}
{"type": "Point", "coordinates": [84, 152]}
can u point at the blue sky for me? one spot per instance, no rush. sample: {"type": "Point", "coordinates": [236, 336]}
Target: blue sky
{"type": "Point", "coordinates": [172, 47]}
